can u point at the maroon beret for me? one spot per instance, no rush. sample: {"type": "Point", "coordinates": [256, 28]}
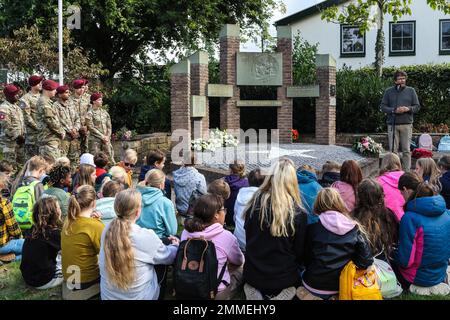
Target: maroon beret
{"type": "Point", "coordinates": [50, 85]}
{"type": "Point", "coordinates": [11, 90]}
{"type": "Point", "coordinates": [62, 89]}
{"type": "Point", "coordinates": [35, 80]}
{"type": "Point", "coordinates": [77, 84]}
{"type": "Point", "coordinates": [96, 96]}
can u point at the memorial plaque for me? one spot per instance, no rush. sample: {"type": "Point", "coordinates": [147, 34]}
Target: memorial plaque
{"type": "Point", "coordinates": [259, 69]}
{"type": "Point", "coordinates": [198, 106]}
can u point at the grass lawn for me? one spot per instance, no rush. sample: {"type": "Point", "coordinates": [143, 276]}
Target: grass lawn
{"type": "Point", "coordinates": [12, 287]}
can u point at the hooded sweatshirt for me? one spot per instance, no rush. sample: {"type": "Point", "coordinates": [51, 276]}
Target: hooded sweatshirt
{"type": "Point", "coordinates": [347, 193]}
{"type": "Point", "coordinates": [186, 180]}
{"type": "Point", "coordinates": [332, 243]}
{"type": "Point", "coordinates": [157, 212]}
{"type": "Point", "coordinates": [236, 183]}
{"type": "Point", "coordinates": [167, 187]}
{"type": "Point", "coordinates": [393, 198]}
{"type": "Point", "coordinates": [106, 207]}
{"type": "Point", "coordinates": [148, 251]}
{"type": "Point", "coordinates": [227, 248]}
{"type": "Point", "coordinates": [423, 250]}
{"type": "Point", "coordinates": [242, 199]}
{"type": "Point", "coordinates": [309, 188]}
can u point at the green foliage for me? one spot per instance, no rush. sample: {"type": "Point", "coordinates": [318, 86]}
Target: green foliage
{"type": "Point", "coordinates": [141, 104]}
{"type": "Point", "coordinates": [27, 52]}
{"type": "Point", "coordinates": [304, 61]}
{"type": "Point", "coordinates": [115, 30]}
{"type": "Point", "coordinates": [359, 94]}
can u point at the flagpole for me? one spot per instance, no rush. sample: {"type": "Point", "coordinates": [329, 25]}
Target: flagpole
{"type": "Point", "coordinates": [60, 41]}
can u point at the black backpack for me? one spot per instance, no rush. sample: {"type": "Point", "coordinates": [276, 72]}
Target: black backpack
{"type": "Point", "coordinates": [195, 270]}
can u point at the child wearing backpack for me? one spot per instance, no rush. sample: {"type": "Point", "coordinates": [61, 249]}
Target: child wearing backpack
{"type": "Point", "coordinates": [80, 245]}
{"type": "Point", "coordinates": [332, 242]}
{"type": "Point", "coordinates": [27, 189]}
{"type": "Point", "coordinates": [129, 253]}
{"type": "Point", "coordinates": [422, 258]}
{"type": "Point", "coordinates": [40, 267]}
{"type": "Point", "coordinates": [207, 223]}
{"type": "Point", "coordinates": [10, 235]}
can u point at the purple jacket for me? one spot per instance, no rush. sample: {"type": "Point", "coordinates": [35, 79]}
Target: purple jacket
{"type": "Point", "coordinates": [236, 183]}
{"type": "Point", "coordinates": [227, 247]}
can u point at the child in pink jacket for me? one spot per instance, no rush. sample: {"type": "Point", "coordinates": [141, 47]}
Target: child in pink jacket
{"type": "Point", "coordinates": [390, 173]}
{"type": "Point", "coordinates": [350, 178]}
{"type": "Point", "coordinates": [208, 221]}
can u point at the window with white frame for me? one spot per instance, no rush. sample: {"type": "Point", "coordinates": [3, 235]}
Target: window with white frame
{"type": "Point", "coordinates": [444, 37]}
{"type": "Point", "coordinates": [402, 38]}
{"type": "Point", "coordinates": [353, 42]}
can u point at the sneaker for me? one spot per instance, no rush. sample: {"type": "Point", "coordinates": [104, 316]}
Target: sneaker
{"type": "Point", "coordinates": [304, 294]}
{"type": "Point", "coordinates": [7, 257]}
{"type": "Point", "coordinates": [252, 293]}
{"type": "Point", "coordinates": [285, 294]}
{"type": "Point", "coordinates": [439, 289]}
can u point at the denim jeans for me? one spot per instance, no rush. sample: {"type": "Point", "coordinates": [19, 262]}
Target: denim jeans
{"type": "Point", "coordinates": [13, 246]}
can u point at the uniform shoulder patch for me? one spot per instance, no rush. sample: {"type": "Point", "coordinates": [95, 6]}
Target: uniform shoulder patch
{"type": "Point", "coordinates": [22, 105]}
{"type": "Point", "coordinates": [2, 115]}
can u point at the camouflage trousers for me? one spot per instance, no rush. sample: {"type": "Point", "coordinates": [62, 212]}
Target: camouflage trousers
{"type": "Point", "coordinates": [31, 150]}
{"type": "Point", "coordinates": [84, 145]}
{"type": "Point", "coordinates": [71, 150]}
{"type": "Point", "coordinates": [96, 145]}
{"type": "Point", "coordinates": [51, 149]}
{"type": "Point", "coordinates": [14, 153]}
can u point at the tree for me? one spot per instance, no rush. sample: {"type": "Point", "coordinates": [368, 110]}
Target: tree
{"type": "Point", "coordinates": [359, 13]}
{"type": "Point", "coordinates": [27, 52]}
{"type": "Point", "coordinates": [114, 30]}
{"type": "Point", "coordinates": [304, 61]}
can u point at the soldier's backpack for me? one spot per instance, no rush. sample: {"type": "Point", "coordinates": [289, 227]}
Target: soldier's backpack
{"type": "Point", "coordinates": [426, 142]}
{"type": "Point", "coordinates": [444, 144]}
{"type": "Point", "coordinates": [195, 270]}
{"type": "Point", "coordinates": [22, 204]}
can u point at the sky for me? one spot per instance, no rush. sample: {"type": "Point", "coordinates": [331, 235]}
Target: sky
{"type": "Point", "coordinates": [292, 6]}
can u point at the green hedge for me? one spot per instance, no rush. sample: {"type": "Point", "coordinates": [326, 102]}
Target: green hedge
{"type": "Point", "coordinates": [359, 93]}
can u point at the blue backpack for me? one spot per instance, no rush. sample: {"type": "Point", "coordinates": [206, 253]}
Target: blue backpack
{"type": "Point", "coordinates": [444, 144]}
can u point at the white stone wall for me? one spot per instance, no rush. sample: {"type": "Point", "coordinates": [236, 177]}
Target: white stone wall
{"type": "Point", "coordinates": [314, 30]}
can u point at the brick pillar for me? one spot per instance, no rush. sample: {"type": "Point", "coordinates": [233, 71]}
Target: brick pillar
{"type": "Point", "coordinates": [229, 46]}
{"type": "Point", "coordinates": [326, 103]}
{"type": "Point", "coordinates": [284, 113]}
{"type": "Point", "coordinates": [180, 94]}
{"type": "Point", "coordinates": [199, 83]}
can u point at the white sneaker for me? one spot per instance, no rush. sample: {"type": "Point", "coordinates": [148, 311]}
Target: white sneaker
{"type": "Point", "coordinates": [441, 289]}
{"type": "Point", "coordinates": [252, 293]}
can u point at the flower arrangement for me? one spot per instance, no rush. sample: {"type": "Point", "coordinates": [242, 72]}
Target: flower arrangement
{"type": "Point", "coordinates": [217, 139]}
{"type": "Point", "coordinates": [367, 147]}
{"type": "Point", "coordinates": [295, 135]}
{"type": "Point", "coordinates": [124, 134]}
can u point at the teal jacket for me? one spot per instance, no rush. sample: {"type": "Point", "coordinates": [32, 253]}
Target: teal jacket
{"type": "Point", "coordinates": [158, 212]}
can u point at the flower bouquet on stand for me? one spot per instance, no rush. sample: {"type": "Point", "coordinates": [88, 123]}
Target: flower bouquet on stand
{"type": "Point", "coordinates": [367, 147]}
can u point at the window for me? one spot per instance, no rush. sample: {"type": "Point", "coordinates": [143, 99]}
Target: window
{"type": "Point", "coordinates": [402, 38]}
{"type": "Point", "coordinates": [444, 37]}
{"type": "Point", "coordinates": [353, 43]}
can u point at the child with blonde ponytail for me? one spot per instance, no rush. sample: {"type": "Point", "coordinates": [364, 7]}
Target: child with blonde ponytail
{"type": "Point", "coordinates": [128, 253]}
{"type": "Point", "coordinates": [80, 246]}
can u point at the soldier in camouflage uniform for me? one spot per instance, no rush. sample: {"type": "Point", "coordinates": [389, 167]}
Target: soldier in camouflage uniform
{"type": "Point", "coordinates": [70, 122]}
{"type": "Point", "coordinates": [12, 124]}
{"type": "Point", "coordinates": [81, 107]}
{"type": "Point", "coordinates": [50, 129]}
{"type": "Point", "coordinates": [99, 126]}
{"type": "Point", "coordinates": [28, 105]}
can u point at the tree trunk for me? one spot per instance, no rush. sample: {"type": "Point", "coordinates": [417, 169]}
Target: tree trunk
{"type": "Point", "coordinates": [379, 46]}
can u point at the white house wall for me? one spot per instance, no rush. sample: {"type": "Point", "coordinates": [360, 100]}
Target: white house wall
{"type": "Point", "coordinates": [314, 29]}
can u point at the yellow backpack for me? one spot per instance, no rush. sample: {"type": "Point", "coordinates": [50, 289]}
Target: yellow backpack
{"type": "Point", "coordinates": [357, 284]}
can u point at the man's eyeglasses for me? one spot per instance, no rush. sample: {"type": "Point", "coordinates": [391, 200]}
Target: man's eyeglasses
{"type": "Point", "coordinates": [130, 165]}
